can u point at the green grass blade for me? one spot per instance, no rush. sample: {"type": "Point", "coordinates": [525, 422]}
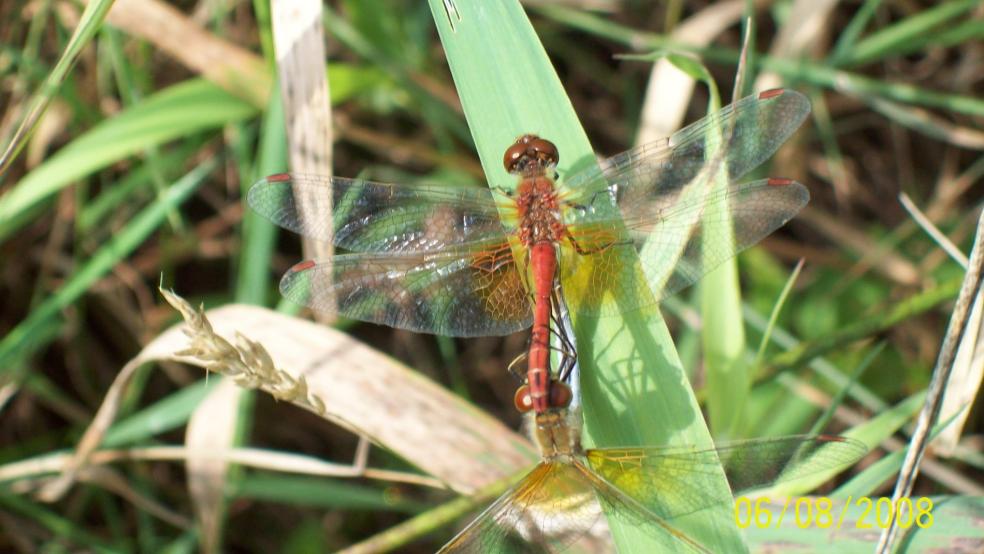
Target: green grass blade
{"type": "Point", "coordinates": [821, 366]}
{"type": "Point", "coordinates": [774, 315]}
{"type": "Point", "coordinates": [828, 413]}
{"type": "Point", "coordinates": [871, 433]}
{"type": "Point", "coordinates": [813, 73]}
{"type": "Point", "coordinates": [125, 194]}
{"type": "Point", "coordinates": [894, 39]}
{"type": "Point", "coordinates": [430, 521]}
{"type": "Point", "coordinates": [966, 31]}
{"type": "Point", "coordinates": [119, 246]}
{"type": "Point", "coordinates": [394, 68]}
{"type": "Point", "coordinates": [176, 112]}
{"type": "Point", "coordinates": [259, 235]}
{"type": "Point", "coordinates": [65, 529]}
{"type": "Point", "coordinates": [886, 469]}
{"type": "Point", "coordinates": [849, 36]}
{"type": "Point", "coordinates": [905, 309]}
{"type": "Point", "coordinates": [722, 335]}
{"type": "Point", "coordinates": [184, 544]}
{"type": "Point", "coordinates": [635, 390]}
{"type": "Point", "coordinates": [89, 23]}
{"type": "Point", "coordinates": [168, 413]}
{"type": "Point", "coordinates": [297, 490]}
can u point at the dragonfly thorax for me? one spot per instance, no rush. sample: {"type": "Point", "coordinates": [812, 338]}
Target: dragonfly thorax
{"type": "Point", "coordinates": [538, 211]}
{"type": "Point", "coordinates": [558, 434]}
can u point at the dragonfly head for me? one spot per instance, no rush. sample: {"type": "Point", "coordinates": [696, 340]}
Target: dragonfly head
{"type": "Point", "coordinates": [530, 155]}
{"type": "Point", "coordinates": [560, 397]}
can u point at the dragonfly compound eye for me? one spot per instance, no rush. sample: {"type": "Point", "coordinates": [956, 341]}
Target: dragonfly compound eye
{"type": "Point", "coordinates": [560, 395]}
{"type": "Point", "coordinates": [522, 400]}
{"type": "Point", "coordinates": [530, 153]}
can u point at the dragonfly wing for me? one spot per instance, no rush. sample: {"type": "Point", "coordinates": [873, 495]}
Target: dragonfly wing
{"type": "Point", "coordinates": [667, 244]}
{"type": "Point", "coordinates": [608, 279]}
{"type": "Point", "coordinates": [619, 504]}
{"type": "Point", "coordinates": [675, 481]}
{"type": "Point", "coordinates": [452, 293]}
{"type": "Point", "coordinates": [756, 463]}
{"type": "Point", "coordinates": [754, 127]}
{"type": "Point", "coordinates": [549, 510]}
{"type": "Point", "coordinates": [681, 243]}
{"type": "Point", "coordinates": [669, 482]}
{"type": "Point", "coordinates": [367, 216]}
{"type": "Point", "coordinates": [653, 198]}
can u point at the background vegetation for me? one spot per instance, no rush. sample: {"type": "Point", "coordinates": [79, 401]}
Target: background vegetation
{"type": "Point", "coordinates": [136, 170]}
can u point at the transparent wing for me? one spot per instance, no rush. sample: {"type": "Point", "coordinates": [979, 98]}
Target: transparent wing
{"type": "Point", "coordinates": [673, 481]}
{"type": "Point", "coordinates": [550, 509]}
{"type": "Point", "coordinates": [655, 219]}
{"type": "Point", "coordinates": [744, 134]}
{"type": "Point", "coordinates": [668, 242]}
{"type": "Point", "coordinates": [621, 505]}
{"type": "Point", "coordinates": [367, 216]}
{"type": "Point", "coordinates": [556, 506]}
{"type": "Point", "coordinates": [454, 292]}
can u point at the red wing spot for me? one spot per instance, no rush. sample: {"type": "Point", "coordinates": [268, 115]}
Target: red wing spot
{"type": "Point", "coordinates": [770, 93]}
{"type": "Point", "coordinates": [832, 438]}
{"type": "Point", "coordinates": [779, 182]}
{"type": "Point", "coordinates": [279, 178]}
{"type": "Point", "coordinates": [307, 264]}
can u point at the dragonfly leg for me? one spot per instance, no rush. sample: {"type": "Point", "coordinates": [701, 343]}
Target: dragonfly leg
{"type": "Point", "coordinates": [567, 349]}
{"type": "Point", "coordinates": [608, 193]}
{"type": "Point", "coordinates": [518, 372]}
{"type": "Point", "coordinates": [504, 191]}
{"type": "Point", "coordinates": [594, 249]}
{"type": "Point", "coordinates": [525, 276]}
{"type": "Point", "coordinates": [568, 357]}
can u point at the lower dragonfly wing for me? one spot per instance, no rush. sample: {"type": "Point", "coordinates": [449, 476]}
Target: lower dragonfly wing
{"type": "Point", "coordinates": [756, 463]}
{"type": "Point", "coordinates": [553, 507]}
{"type": "Point", "coordinates": [665, 244]}
{"type": "Point", "coordinates": [556, 506]}
{"type": "Point", "coordinates": [675, 481]}
{"type": "Point", "coordinates": [454, 293]}
{"type": "Point", "coordinates": [619, 504]}
{"type": "Point", "coordinates": [605, 276]}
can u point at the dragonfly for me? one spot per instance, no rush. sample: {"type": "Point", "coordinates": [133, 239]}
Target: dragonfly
{"type": "Point", "coordinates": [564, 498]}
{"type": "Point", "coordinates": [472, 261]}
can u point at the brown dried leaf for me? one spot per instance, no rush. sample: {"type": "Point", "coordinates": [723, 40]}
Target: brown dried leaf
{"type": "Point", "coordinates": [299, 42]}
{"type": "Point", "coordinates": [331, 374]}
{"type": "Point", "coordinates": [211, 433]}
{"type": "Point", "coordinates": [236, 70]}
{"type": "Point", "coordinates": [965, 382]}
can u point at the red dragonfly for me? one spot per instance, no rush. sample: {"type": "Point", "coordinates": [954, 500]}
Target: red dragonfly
{"type": "Point", "coordinates": [473, 261]}
{"type": "Point", "coordinates": [564, 498]}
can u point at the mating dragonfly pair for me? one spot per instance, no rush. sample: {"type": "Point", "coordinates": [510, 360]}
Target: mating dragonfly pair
{"type": "Point", "coordinates": [616, 237]}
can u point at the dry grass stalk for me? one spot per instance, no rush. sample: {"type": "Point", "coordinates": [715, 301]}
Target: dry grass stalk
{"type": "Point", "coordinates": [246, 362]}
